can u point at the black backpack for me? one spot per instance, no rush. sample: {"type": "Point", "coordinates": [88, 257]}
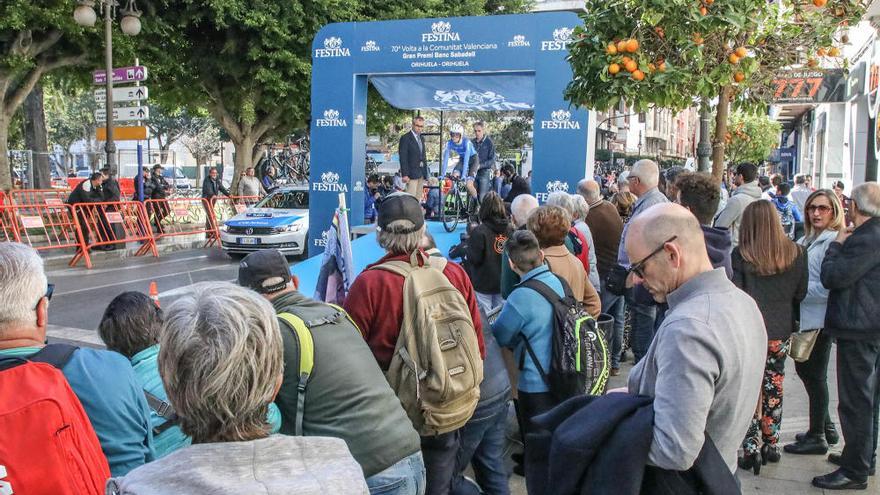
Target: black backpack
{"type": "Point", "coordinates": [579, 363]}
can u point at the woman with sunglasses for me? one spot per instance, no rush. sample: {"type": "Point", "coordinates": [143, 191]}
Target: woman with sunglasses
{"type": "Point", "coordinates": [772, 269]}
{"type": "Point", "coordinates": [824, 219]}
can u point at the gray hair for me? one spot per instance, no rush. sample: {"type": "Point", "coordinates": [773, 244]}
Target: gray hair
{"type": "Point", "coordinates": [396, 238]}
{"type": "Point", "coordinates": [220, 359]}
{"type": "Point", "coordinates": [648, 172]}
{"type": "Point", "coordinates": [589, 189]}
{"type": "Point", "coordinates": [22, 284]}
{"type": "Point", "coordinates": [867, 199]}
{"type": "Point", "coordinates": [580, 208]}
{"type": "Point", "coordinates": [521, 207]}
{"type": "Point", "coordinates": [562, 200]}
{"type": "Point", "coordinates": [622, 179]}
{"type": "Point", "coordinates": [131, 323]}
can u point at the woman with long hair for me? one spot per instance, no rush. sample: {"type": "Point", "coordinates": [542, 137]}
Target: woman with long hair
{"type": "Point", "coordinates": [772, 269]}
{"type": "Point", "coordinates": [824, 219]}
{"type": "Point", "coordinates": [484, 248]}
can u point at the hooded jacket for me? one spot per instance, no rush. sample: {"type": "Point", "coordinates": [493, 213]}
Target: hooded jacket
{"type": "Point", "coordinates": [731, 215]}
{"type": "Point", "coordinates": [816, 302]}
{"type": "Point", "coordinates": [719, 246]}
{"type": "Point", "coordinates": [484, 248]}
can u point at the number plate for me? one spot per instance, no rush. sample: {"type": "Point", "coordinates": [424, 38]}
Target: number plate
{"type": "Point", "coordinates": [247, 240]}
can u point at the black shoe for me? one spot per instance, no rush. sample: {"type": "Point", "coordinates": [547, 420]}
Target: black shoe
{"type": "Point", "coordinates": [831, 435]}
{"type": "Point", "coordinates": [836, 460]}
{"type": "Point", "coordinates": [770, 453]}
{"type": "Point", "coordinates": [808, 445]}
{"type": "Point", "coordinates": [838, 481]}
{"type": "Point", "coordinates": [751, 462]}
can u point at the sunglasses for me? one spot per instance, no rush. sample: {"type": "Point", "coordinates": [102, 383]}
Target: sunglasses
{"type": "Point", "coordinates": [639, 267]}
{"type": "Point", "coordinates": [819, 208]}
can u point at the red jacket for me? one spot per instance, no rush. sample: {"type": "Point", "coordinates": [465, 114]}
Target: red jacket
{"type": "Point", "coordinates": [375, 303]}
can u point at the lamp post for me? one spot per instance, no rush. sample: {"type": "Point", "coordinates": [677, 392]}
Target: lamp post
{"type": "Point", "coordinates": [85, 16]}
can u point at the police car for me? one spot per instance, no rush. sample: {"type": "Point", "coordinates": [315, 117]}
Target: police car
{"type": "Point", "coordinates": [279, 221]}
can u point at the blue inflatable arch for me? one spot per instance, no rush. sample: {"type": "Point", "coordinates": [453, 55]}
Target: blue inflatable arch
{"type": "Point", "coordinates": [509, 62]}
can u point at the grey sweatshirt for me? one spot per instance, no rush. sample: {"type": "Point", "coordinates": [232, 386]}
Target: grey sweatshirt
{"type": "Point", "coordinates": [731, 216]}
{"type": "Point", "coordinates": [704, 371]}
{"type": "Point", "coordinates": [277, 465]}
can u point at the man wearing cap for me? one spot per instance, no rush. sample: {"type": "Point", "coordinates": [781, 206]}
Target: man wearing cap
{"type": "Point", "coordinates": [375, 303]}
{"type": "Point", "coordinates": [346, 395]}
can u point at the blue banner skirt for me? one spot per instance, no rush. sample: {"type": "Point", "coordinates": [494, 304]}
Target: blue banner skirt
{"type": "Point", "coordinates": [474, 92]}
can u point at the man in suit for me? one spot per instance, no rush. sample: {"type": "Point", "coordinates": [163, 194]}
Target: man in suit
{"type": "Point", "coordinates": [413, 166]}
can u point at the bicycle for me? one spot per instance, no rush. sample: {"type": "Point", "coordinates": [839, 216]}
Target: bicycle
{"type": "Point", "coordinates": [457, 204]}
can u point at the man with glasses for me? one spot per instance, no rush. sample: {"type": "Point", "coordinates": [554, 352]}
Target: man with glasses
{"type": "Point", "coordinates": [704, 368]}
{"type": "Point", "coordinates": [413, 165]}
{"type": "Point", "coordinates": [103, 381]}
{"type": "Point", "coordinates": [642, 181]}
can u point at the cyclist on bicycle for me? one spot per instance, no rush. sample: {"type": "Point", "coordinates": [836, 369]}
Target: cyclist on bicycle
{"type": "Point", "coordinates": [467, 154]}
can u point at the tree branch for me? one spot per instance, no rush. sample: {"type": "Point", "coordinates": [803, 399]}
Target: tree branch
{"type": "Point", "coordinates": [223, 116]}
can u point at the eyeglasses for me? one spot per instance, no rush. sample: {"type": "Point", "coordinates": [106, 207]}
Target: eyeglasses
{"type": "Point", "coordinates": [819, 208]}
{"type": "Point", "coordinates": [639, 267]}
{"type": "Point", "coordinates": [50, 289]}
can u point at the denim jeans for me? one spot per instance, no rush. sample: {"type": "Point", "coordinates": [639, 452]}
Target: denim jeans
{"type": "Point", "coordinates": [439, 453]}
{"type": "Point", "coordinates": [405, 477]}
{"type": "Point", "coordinates": [489, 301]}
{"type": "Point", "coordinates": [644, 317]}
{"type": "Point", "coordinates": [482, 445]}
{"type": "Point", "coordinates": [483, 182]}
{"type": "Point", "coordinates": [616, 307]}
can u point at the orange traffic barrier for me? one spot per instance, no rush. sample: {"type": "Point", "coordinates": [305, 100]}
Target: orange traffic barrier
{"type": "Point", "coordinates": [182, 216]}
{"type": "Point", "coordinates": [227, 207]}
{"type": "Point", "coordinates": [42, 227]}
{"type": "Point", "coordinates": [154, 293]}
{"type": "Point", "coordinates": [47, 197]}
{"type": "Point", "coordinates": [126, 186]}
{"type": "Point", "coordinates": [2, 198]}
{"type": "Point", "coordinates": [109, 224]}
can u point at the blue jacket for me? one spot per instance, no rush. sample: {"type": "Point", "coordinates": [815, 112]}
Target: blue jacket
{"type": "Point", "coordinates": [110, 394]}
{"type": "Point", "coordinates": [146, 367]}
{"type": "Point", "coordinates": [527, 314]}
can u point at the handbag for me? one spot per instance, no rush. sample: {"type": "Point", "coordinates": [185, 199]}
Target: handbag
{"type": "Point", "coordinates": [802, 344]}
{"type": "Point", "coordinates": [615, 281]}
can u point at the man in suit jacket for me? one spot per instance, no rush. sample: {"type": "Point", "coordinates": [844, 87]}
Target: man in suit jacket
{"type": "Point", "coordinates": [413, 166]}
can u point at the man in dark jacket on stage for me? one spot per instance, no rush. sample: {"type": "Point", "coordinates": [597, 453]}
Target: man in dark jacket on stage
{"type": "Point", "coordinates": [518, 184]}
{"type": "Point", "coordinates": [413, 165]}
{"type": "Point", "coordinates": [851, 273]}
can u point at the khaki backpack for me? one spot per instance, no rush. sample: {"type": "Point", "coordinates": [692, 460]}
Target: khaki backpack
{"type": "Point", "coordinates": [436, 369]}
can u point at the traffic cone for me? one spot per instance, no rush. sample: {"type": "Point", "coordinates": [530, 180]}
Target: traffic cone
{"type": "Point", "coordinates": [154, 293]}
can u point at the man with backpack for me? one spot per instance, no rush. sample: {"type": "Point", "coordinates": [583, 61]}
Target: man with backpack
{"type": "Point", "coordinates": [344, 394]}
{"type": "Point", "coordinates": [48, 443]}
{"type": "Point", "coordinates": [419, 316]}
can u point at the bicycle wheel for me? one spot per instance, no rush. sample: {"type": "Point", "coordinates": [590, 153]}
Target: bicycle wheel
{"type": "Point", "coordinates": [450, 209]}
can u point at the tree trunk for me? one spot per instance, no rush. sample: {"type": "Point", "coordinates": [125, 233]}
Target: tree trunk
{"type": "Point", "coordinates": [5, 170]}
{"type": "Point", "coordinates": [244, 151]}
{"type": "Point", "coordinates": [163, 153]}
{"type": "Point", "coordinates": [36, 138]}
{"type": "Point", "coordinates": [722, 111]}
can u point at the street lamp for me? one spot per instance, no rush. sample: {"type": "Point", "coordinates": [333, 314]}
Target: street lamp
{"type": "Point", "coordinates": [85, 16]}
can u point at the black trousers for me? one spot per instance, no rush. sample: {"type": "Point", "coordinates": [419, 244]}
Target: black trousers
{"type": "Point", "coordinates": [814, 373]}
{"type": "Point", "coordinates": [858, 388]}
{"type": "Point", "coordinates": [440, 453]}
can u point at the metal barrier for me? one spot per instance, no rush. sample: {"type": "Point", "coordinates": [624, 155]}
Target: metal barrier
{"type": "Point", "coordinates": [182, 216]}
{"type": "Point", "coordinates": [42, 227]}
{"type": "Point", "coordinates": [108, 224]}
{"type": "Point", "coordinates": [126, 186]}
{"type": "Point", "coordinates": [227, 207]}
{"type": "Point", "coordinates": [47, 197]}
{"type": "Point", "coordinates": [2, 198]}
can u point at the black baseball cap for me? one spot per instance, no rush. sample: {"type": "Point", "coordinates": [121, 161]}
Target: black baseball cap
{"type": "Point", "coordinates": [264, 271]}
{"type": "Point", "coordinates": [401, 206]}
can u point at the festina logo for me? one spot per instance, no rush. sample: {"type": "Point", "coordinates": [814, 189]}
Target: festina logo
{"type": "Point", "coordinates": [518, 40]}
{"type": "Point", "coordinates": [332, 48]}
{"type": "Point", "coordinates": [560, 119]}
{"type": "Point", "coordinates": [322, 242]}
{"type": "Point", "coordinates": [440, 31]}
{"type": "Point", "coordinates": [329, 183]}
{"type": "Point", "coordinates": [331, 119]}
{"type": "Point", "coordinates": [561, 40]}
{"type": "Point", "coordinates": [370, 46]}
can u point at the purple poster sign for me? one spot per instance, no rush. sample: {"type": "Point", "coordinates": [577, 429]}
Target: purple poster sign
{"type": "Point", "coordinates": [121, 75]}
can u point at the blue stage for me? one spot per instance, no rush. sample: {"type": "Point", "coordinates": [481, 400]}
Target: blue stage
{"type": "Point", "coordinates": [365, 251]}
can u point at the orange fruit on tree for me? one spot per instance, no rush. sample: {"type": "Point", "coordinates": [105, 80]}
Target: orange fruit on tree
{"type": "Point", "coordinates": [741, 52]}
{"type": "Point", "coordinates": [632, 45]}
{"type": "Point", "coordinates": [821, 52]}
{"type": "Point", "coordinates": [704, 10]}
{"type": "Point", "coordinates": [661, 66]}
{"type": "Point", "coordinates": [820, 3]}
{"type": "Point", "coordinates": [708, 2]}
{"type": "Point", "coordinates": [811, 62]}
{"type": "Point", "coordinates": [631, 66]}
{"type": "Point", "coordinates": [621, 46]}
{"type": "Point", "coordinates": [652, 67]}
{"type": "Point", "coordinates": [638, 75]}
{"type": "Point", "coordinates": [613, 69]}
{"type": "Point", "coordinates": [834, 52]}
{"type": "Point", "coordinates": [733, 59]}
{"type": "Point", "coordinates": [739, 77]}
{"type": "Point", "coordinates": [611, 49]}
{"type": "Point", "coordinates": [625, 59]}
{"type": "Point", "coordinates": [698, 38]}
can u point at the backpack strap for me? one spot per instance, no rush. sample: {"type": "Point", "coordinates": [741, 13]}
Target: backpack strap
{"type": "Point", "coordinates": [57, 355]}
{"type": "Point", "coordinates": [534, 358]}
{"type": "Point", "coordinates": [342, 312]}
{"type": "Point", "coordinates": [546, 292]}
{"type": "Point", "coordinates": [306, 363]}
{"type": "Point", "coordinates": [164, 410]}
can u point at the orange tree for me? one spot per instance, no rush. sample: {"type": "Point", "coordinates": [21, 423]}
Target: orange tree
{"type": "Point", "coordinates": [674, 53]}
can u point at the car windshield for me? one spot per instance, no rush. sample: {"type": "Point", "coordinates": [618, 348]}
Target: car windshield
{"type": "Point", "coordinates": [286, 200]}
